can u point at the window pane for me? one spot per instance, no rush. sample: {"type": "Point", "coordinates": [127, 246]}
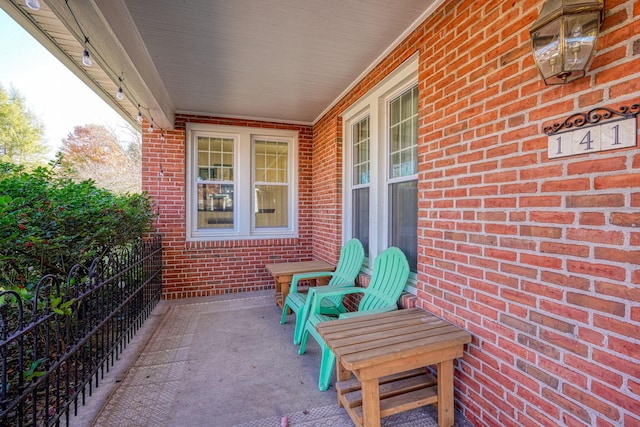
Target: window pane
{"type": "Point", "coordinates": [404, 219]}
{"type": "Point", "coordinates": [271, 161]}
{"type": "Point", "coordinates": [364, 152]}
{"type": "Point", "coordinates": [203, 157]}
{"type": "Point", "coordinates": [271, 206]}
{"type": "Point", "coordinates": [364, 129]}
{"type": "Point", "coordinates": [215, 205]}
{"type": "Point", "coordinates": [203, 174]}
{"type": "Point", "coordinates": [396, 165]}
{"type": "Point", "coordinates": [406, 105]}
{"type": "Point", "coordinates": [361, 177]}
{"type": "Point", "coordinates": [403, 162]}
{"type": "Point", "coordinates": [215, 200]}
{"type": "Point", "coordinates": [360, 226]}
{"type": "Point", "coordinates": [215, 159]}
{"type": "Point", "coordinates": [395, 111]}
{"type": "Point", "coordinates": [395, 138]}
{"type": "Point", "coordinates": [403, 135]}
{"type": "Point", "coordinates": [360, 165]}
{"type": "Point", "coordinates": [227, 159]}
{"type": "Point", "coordinates": [407, 136]}
{"type": "Point", "coordinates": [271, 189]}
{"type": "Point", "coordinates": [408, 162]}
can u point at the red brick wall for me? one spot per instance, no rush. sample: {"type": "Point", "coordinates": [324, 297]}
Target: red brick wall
{"type": "Point", "coordinates": [538, 258]}
{"type": "Point", "coordinates": [194, 269]}
{"type": "Point", "coordinates": [327, 188]}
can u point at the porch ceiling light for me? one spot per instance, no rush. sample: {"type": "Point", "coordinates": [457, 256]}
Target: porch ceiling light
{"type": "Point", "coordinates": [564, 38]}
{"type": "Point", "coordinates": [32, 4]}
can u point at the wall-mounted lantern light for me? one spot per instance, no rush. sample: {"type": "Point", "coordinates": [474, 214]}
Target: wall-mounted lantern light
{"type": "Point", "coordinates": [564, 38]}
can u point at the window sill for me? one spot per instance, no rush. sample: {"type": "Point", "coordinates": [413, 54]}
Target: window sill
{"type": "Point", "coordinates": [241, 243]}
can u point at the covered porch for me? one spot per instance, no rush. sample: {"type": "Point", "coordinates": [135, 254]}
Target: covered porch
{"type": "Point", "coordinates": [178, 371]}
{"type": "Point", "coordinates": [276, 131]}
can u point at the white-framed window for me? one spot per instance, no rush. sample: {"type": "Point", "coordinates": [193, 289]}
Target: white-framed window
{"type": "Point", "coordinates": [381, 166]}
{"type": "Point", "coordinates": [360, 180]}
{"type": "Point", "coordinates": [241, 182]}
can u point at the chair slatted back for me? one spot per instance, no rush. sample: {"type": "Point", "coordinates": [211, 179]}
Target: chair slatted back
{"type": "Point", "coordinates": [388, 279]}
{"type": "Point", "coordinates": [350, 262]}
{"type": "Point", "coordinates": [349, 265]}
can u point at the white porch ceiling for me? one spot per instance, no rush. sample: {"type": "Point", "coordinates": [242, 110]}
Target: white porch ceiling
{"type": "Point", "coordinates": [283, 60]}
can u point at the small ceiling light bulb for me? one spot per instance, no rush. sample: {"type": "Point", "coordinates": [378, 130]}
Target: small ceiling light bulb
{"type": "Point", "coordinates": [139, 118]}
{"type": "Point", "coordinates": [150, 127]}
{"type": "Point", "coordinates": [32, 4]}
{"type": "Point", "coordinates": [119, 93]}
{"type": "Point", "coordinates": [86, 59]}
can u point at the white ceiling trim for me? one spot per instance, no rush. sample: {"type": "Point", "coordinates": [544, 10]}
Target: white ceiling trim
{"type": "Point", "coordinates": [151, 92]}
{"type": "Point", "coordinates": [235, 116]}
{"type": "Point", "coordinates": [31, 22]}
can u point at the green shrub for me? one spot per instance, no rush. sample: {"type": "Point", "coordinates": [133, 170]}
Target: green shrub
{"type": "Point", "coordinates": [49, 223]}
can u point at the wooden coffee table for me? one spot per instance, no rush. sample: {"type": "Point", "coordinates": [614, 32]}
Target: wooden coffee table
{"type": "Point", "coordinates": [283, 273]}
{"type": "Point", "coordinates": [387, 353]}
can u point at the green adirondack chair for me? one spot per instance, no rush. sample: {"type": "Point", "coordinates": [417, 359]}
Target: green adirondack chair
{"type": "Point", "coordinates": [388, 279]}
{"type": "Point", "coordinates": [349, 265]}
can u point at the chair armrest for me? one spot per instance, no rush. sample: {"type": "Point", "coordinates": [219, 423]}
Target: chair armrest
{"type": "Point", "coordinates": [304, 276]}
{"type": "Point", "coordinates": [318, 293]}
{"type": "Point", "coordinates": [364, 313]}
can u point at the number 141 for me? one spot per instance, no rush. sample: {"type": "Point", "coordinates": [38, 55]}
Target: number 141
{"type": "Point", "coordinates": [607, 136]}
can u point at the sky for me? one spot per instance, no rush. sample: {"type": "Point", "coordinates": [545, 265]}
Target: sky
{"type": "Point", "coordinates": [51, 91]}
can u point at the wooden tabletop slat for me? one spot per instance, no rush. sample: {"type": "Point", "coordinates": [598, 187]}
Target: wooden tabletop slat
{"type": "Point", "coordinates": [290, 268]}
{"type": "Point", "coordinates": [388, 338]}
{"type": "Point", "coordinates": [378, 327]}
{"type": "Point", "coordinates": [376, 356]}
{"type": "Point", "coordinates": [384, 336]}
{"type": "Point", "coordinates": [340, 340]}
{"type": "Point", "coordinates": [375, 320]}
{"type": "Point", "coordinates": [389, 323]}
{"type": "Point", "coordinates": [378, 318]}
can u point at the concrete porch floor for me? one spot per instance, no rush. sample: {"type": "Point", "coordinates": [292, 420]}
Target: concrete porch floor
{"type": "Point", "coordinates": [221, 361]}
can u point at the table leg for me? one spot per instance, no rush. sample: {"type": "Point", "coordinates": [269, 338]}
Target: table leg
{"type": "Point", "coordinates": [278, 291]}
{"type": "Point", "coordinates": [370, 403]}
{"type": "Point", "coordinates": [445, 394]}
{"type": "Point", "coordinates": [342, 374]}
{"type": "Point", "coordinates": [284, 286]}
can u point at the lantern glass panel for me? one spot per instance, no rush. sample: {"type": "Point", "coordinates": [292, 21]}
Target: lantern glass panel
{"type": "Point", "coordinates": [581, 32]}
{"type": "Point", "coordinates": [546, 49]}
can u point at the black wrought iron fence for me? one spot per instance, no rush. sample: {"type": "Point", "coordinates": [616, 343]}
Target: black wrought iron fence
{"type": "Point", "coordinates": [57, 344]}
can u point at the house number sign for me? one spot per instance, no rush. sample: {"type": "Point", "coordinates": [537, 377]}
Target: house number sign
{"type": "Point", "coordinates": [598, 130]}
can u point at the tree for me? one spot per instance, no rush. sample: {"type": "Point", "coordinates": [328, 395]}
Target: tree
{"type": "Point", "coordinates": [49, 223]}
{"type": "Point", "coordinates": [21, 132]}
{"type": "Point", "coordinates": [95, 152]}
